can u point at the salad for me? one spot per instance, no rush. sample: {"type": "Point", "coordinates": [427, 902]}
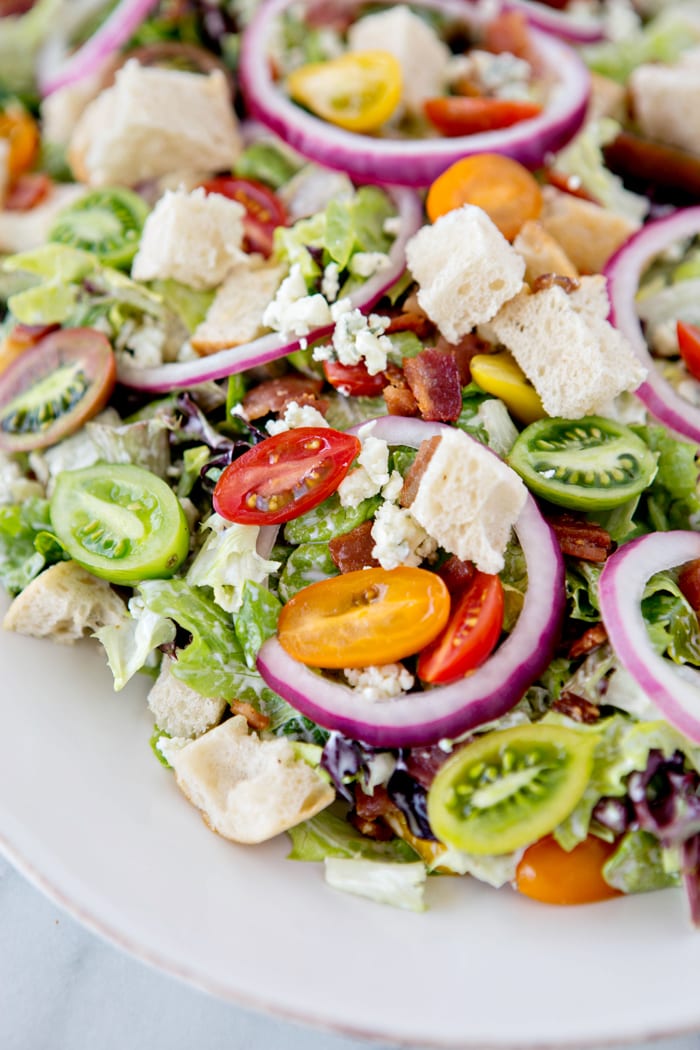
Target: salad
{"type": "Point", "coordinates": [371, 442]}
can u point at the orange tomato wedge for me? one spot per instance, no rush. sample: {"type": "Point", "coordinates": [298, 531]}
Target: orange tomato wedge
{"type": "Point", "coordinates": [550, 874]}
{"type": "Point", "coordinates": [364, 618]}
{"type": "Point", "coordinates": [20, 131]}
{"type": "Point", "coordinates": [507, 191]}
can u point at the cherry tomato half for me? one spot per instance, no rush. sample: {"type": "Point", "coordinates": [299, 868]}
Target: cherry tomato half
{"type": "Point", "coordinates": [689, 346]}
{"type": "Point", "coordinates": [285, 475]}
{"type": "Point", "coordinates": [264, 210]}
{"type": "Point", "coordinates": [471, 634]}
{"type": "Point", "coordinates": [550, 874]}
{"type": "Point", "coordinates": [507, 191]}
{"type": "Point", "coordinates": [358, 91]}
{"type": "Point", "coordinates": [21, 133]}
{"type": "Point", "coordinates": [354, 380]}
{"type": "Point", "coordinates": [462, 115]}
{"type": "Point", "coordinates": [363, 618]}
{"type": "Point", "coordinates": [54, 387]}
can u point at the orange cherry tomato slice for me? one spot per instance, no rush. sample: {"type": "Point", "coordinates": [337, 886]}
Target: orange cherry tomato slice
{"type": "Point", "coordinates": [284, 476]}
{"type": "Point", "coordinates": [364, 618]}
{"type": "Point", "coordinates": [22, 134]}
{"type": "Point", "coordinates": [552, 875]}
{"type": "Point", "coordinates": [354, 380]}
{"type": "Point", "coordinates": [689, 346]}
{"type": "Point", "coordinates": [506, 191]}
{"type": "Point", "coordinates": [264, 210]}
{"type": "Point", "coordinates": [459, 115]}
{"type": "Point", "coordinates": [471, 634]}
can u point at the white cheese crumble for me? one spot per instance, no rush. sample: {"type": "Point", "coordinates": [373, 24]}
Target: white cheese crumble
{"type": "Point", "coordinates": [366, 264]}
{"type": "Point", "coordinates": [379, 683]}
{"type": "Point", "coordinates": [330, 282]}
{"type": "Point", "coordinates": [293, 312]}
{"type": "Point", "coordinates": [399, 539]}
{"type": "Point", "coordinates": [296, 415]}
{"type": "Point", "coordinates": [499, 76]}
{"type": "Point", "coordinates": [357, 338]}
{"type": "Point", "coordinates": [372, 474]}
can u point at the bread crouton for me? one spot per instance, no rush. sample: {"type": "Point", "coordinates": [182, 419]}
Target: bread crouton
{"type": "Point", "coordinates": [153, 121]}
{"type": "Point", "coordinates": [576, 361]}
{"type": "Point", "coordinates": [194, 238]}
{"type": "Point", "coordinates": [64, 603]}
{"type": "Point", "coordinates": [465, 269]}
{"type": "Point", "coordinates": [179, 710]}
{"type": "Point", "coordinates": [468, 500]}
{"type": "Point", "coordinates": [588, 234]}
{"type": "Point", "coordinates": [235, 316]}
{"type": "Point", "coordinates": [542, 252]}
{"type": "Point", "coordinates": [248, 789]}
{"type": "Point", "coordinates": [665, 103]}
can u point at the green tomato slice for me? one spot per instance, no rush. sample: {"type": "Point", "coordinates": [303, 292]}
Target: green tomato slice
{"type": "Point", "coordinates": [510, 787]}
{"type": "Point", "coordinates": [107, 222]}
{"type": "Point", "coordinates": [584, 464]}
{"type": "Point", "coordinates": [120, 522]}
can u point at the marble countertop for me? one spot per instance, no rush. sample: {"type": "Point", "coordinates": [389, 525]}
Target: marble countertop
{"type": "Point", "coordinates": [62, 988]}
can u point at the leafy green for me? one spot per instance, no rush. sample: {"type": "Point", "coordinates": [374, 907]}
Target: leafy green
{"type": "Point", "coordinates": [328, 519]}
{"type": "Point", "coordinates": [308, 563]}
{"type": "Point", "coordinates": [637, 865]}
{"type": "Point", "coordinates": [671, 621]}
{"type": "Point", "coordinates": [20, 40]}
{"type": "Point", "coordinates": [385, 882]}
{"type": "Point", "coordinates": [27, 543]}
{"type": "Point", "coordinates": [583, 158]}
{"type": "Point", "coordinates": [265, 163]}
{"type": "Point", "coordinates": [227, 559]}
{"type": "Point", "coordinates": [256, 620]}
{"type": "Point", "coordinates": [130, 645]}
{"type": "Point", "coordinates": [190, 304]}
{"type": "Point", "coordinates": [582, 589]}
{"type": "Point", "coordinates": [330, 835]}
{"type": "Point", "coordinates": [662, 39]}
{"type": "Point", "coordinates": [671, 501]}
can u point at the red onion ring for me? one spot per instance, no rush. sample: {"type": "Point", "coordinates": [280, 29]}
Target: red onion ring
{"type": "Point", "coordinates": [57, 71]}
{"type": "Point", "coordinates": [413, 162]}
{"type": "Point", "coordinates": [444, 711]}
{"type": "Point", "coordinates": [270, 347]}
{"type": "Point", "coordinates": [623, 272]}
{"type": "Point", "coordinates": [560, 23]}
{"type": "Point", "coordinates": [674, 689]}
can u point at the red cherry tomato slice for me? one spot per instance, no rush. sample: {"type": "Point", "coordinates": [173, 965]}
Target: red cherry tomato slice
{"type": "Point", "coordinates": [463, 115]}
{"type": "Point", "coordinates": [53, 387]}
{"type": "Point", "coordinates": [264, 210]}
{"type": "Point", "coordinates": [28, 191]}
{"type": "Point", "coordinates": [363, 618]}
{"type": "Point", "coordinates": [285, 475]}
{"type": "Point", "coordinates": [550, 874]}
{"type": "Point", "coordinates": [689, 346]}
{"type": "Point", "coordinates": [354, 380]}
{"type": "Point", "coordinates": [471, 634]}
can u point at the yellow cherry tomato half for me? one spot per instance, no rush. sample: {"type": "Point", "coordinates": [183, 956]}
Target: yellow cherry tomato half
{"type": "Point", "coordinates": [21, 133]}
{"type": "Point", "coordinates": [363, 618]}
{"type": "Point", "coordinates": [358, 91]}
{"type": "Point", "coordinates": [499, 374]}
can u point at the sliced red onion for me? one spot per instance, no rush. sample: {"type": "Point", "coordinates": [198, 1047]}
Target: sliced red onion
{"type": "Point", "coordinates": [413, 162]}
{"type": "Point", "coordinates": [673, 688]}
{"type": "Point", "coordinates": [561, 23]}
{"type": "Point", "coordinates": [270, 347]}
{"type": "Point", "coordinates": [444, 711]}
{"type": "Point", "coordinates": [624, 272]}
{"type": "Point", "coordinates": [57, 68]}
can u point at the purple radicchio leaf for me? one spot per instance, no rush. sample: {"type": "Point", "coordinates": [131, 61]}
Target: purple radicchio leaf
{"type": "Point", "coordinates": [343, 759]}
{"type": "Point", "coordinates": [690, 869]}
{"type": "Point", "coordinates": [666, 799]}
{"type": "Point", "coordinates": [617, 814]}
{"type": "Point", "coordinates": [412, 800]}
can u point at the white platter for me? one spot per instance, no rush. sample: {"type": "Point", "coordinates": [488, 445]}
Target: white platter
{"type": "Point", "coordinates": [89, 815]}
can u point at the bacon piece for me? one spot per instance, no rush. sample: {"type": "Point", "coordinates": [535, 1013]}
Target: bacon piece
{"type": "Point", "coordinates": [468, 347]}
{"type": "Point", "coordinates": [433, 377]}
{"type": "Point", "coordinates": [577, 708]}
{"type": "Point", "coordinates": [353, 550]}
{"type": "Point", "coordinates": [422, 763]}
{"type": "Point", "coordinates": [552, 280]}
{"type": "Point", "coordinates": [27, 192]}
{"type": "Point", "coordinates": [582, 539]}
{"type": "Point", "coordinates": [412, 321]}
{"type": "Point", "coordinates": [456, 574]}
{"type": "Point", "coordinates": [369, 812]}
{"type": "Point", "coordinates": [255, 719]}
{"type": "Point", "coordinates": [273, 395]}
{"type": "Point", "coordinates": [399, 398]}
{"type": "Point", "coordinates": [589, 640]}
{"type": "Point", "coordinates": [646, 161]}
{"type": "Point", "coordinates": [415, 472]}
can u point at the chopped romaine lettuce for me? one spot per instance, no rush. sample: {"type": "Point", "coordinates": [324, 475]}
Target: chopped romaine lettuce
{"type": "Point", "coordinates": [330, 835]}
{"type": "Point", "coordinates": [400, 885]}
{"type": "Point", "coordinates": [256, 619]}
{"type": "Point", "coordinates": [27, 543]}
{"type": "Point", "coordinates": [637, 865]}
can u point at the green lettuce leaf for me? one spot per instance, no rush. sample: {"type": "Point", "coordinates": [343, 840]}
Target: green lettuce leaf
{"type": "Point", "coordinates": [662, 39]}
{"type": "Point", "coordinates": [307, 564]}
{"type": "Point", "coordinates": [671, 621]}
{"type": "Point", "coordinates": [27, 543]}
{"type": "Point", "coordinates": [637, 865]}
{"type": "Point", "coordinates": [328, 519]}
{"type": "Point", "coordinates": [400, 885]}
{"type": "Point", "coordinates": [329, 834]}
{"type": "Point", "coordinates": [256, 620]}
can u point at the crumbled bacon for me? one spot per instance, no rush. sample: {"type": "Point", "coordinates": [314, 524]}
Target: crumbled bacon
{"type": "Point", "coordinates": [353, 550]}
{"type": "Point", "coordinates": [589, 640]}
{"type": "Point", "coordinates": [415, 472]}
{"type": "Point", "coordinates": [273, 395]}
{"type": "Point", "coordinates": [412, 321]}
{"type": "Point", "coordinates": [577, 708]}
{"type": "Point", "coordinates": [369, 812]}
{"type": "Point", "coordinates": [581, 539]}
{"type": "Point", "coordinates": [433, 377]}
{"type": "Point", "coordinates": [397, 394]}
{"type": "Point", "coordinates": [422, 763]}
{"type": "Point", "coordinates": [468, 347]}
{"type": "Point", "coordinates": [689, 583]}
{"type": "Point", "coordinates": [552, 280]}
{"type": "Point", "coordinates": [255, 719]}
